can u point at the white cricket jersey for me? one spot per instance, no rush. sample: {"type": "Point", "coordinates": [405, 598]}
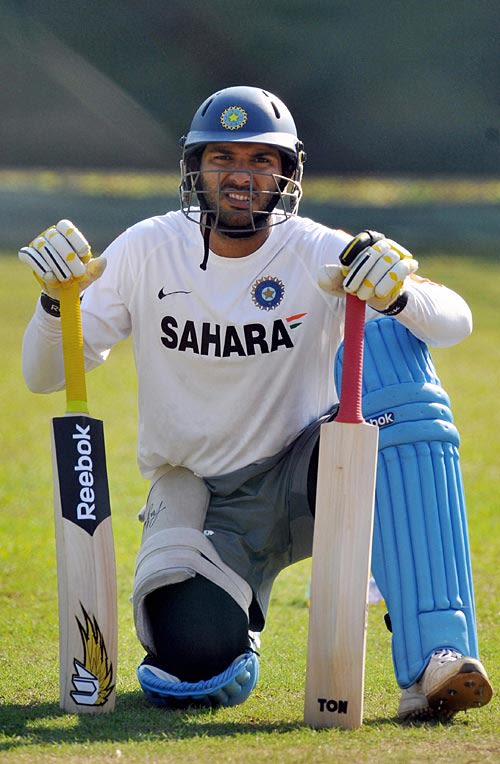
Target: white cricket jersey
{"type": "Point", "coordinates": [232, 362]}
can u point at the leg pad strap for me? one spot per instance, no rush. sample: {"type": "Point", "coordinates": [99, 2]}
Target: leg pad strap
{"type": "Point", "coordinates": [172, 555]}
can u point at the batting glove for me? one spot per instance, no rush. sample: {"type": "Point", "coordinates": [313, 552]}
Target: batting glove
{"type": "Point", "coordinates": [60, 254]}
{"type": "Point", "coordinates": [376, 273]}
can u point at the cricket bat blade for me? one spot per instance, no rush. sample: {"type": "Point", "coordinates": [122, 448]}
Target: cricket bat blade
{"type": "Point", "coordinates": [340, 575]}
{"type": "Point", "coordinates": [85, 566]}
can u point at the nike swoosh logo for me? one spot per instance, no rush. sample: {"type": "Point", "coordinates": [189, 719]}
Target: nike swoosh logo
{"type": "Point", "coordinates": [162, 293]}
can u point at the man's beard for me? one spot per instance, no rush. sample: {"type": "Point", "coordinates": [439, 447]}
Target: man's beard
{"type": "Point", "coordinates": [259, 220]}
{"type": "Point", "coordinates": [237, 223]}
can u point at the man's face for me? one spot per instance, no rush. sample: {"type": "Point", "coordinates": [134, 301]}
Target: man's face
{"type": "Point", "coordinates": [238, 183]}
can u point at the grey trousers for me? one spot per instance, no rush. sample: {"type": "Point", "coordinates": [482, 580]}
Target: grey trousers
{"type": "Point", "coordinates": [259, 518]}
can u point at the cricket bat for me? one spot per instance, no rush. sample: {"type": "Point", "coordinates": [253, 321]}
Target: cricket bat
{"type": "Point", "coordinates": [84, 538]}
{"type": "Point", "coordinates": [342, 543]}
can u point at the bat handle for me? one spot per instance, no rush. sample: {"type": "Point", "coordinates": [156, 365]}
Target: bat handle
{"type": "Point", "coordinates": [352, 368]}
{"type": "Point", "coordinates": [72, 339]}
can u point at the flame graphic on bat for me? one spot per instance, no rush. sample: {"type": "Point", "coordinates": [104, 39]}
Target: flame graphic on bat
{"type": "Point", "coordinates": [93, 676]}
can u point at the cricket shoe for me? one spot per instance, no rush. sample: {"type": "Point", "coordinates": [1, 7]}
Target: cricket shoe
{"type": "Point", "coordinates": [450, 683]}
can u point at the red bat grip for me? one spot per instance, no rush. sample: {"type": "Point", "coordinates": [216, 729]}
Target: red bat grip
{"type": "Point", "coordinates": [350, 410]}
{"type": "Point", "coordinates": [352, 367]}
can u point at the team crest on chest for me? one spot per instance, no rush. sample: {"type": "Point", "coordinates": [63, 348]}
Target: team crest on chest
{"type": "Point", "coordinates": [268, 292]}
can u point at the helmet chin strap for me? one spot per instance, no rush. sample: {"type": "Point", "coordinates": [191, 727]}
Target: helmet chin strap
{"type": "Point", "coordinates": [206, 248]}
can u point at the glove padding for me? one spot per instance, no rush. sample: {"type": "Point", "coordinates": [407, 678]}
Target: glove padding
{"type": "Point", "coordinates": [59, 254]}
{"type": "Point", "coordinates": [376, 275]}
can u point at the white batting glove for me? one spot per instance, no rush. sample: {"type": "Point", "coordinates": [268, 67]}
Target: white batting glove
{"type": "Point", "coordinates": [376, 274]}
{"type": "Point", "coordinates": [59, 254]}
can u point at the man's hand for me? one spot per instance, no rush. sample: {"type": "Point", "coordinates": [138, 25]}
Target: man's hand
{"type": "Point", "coordinates": [59, 254]}
{"type": "Point", "coordinates": [376, 274]}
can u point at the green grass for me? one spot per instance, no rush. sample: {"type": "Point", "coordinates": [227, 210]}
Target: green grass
{"type": "Point", "coordinates": [269, 726]}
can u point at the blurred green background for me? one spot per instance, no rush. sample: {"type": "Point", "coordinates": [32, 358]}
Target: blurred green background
{"type": "Point", "coordinates": [400, 92]}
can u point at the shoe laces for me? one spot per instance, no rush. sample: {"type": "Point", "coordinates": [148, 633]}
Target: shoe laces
{"type": "Point", "coordinates": [254, 637]}
{"type": "Point", "coordinates": [445, 654]}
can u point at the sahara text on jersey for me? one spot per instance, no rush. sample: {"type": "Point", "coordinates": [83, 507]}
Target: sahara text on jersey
{"type": "Point", "coordinates": [208, 338]}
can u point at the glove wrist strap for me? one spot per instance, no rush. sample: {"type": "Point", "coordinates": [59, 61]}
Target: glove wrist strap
{"type": "Point", "coordinates": [397, 306]}
{"type": "Point", "coordinates": [50, 305]}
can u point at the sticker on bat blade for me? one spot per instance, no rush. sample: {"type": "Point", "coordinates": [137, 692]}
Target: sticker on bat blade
{"type": "Point", "coordinates": [333, 706]}
{"type": "Point", "coordinates": [81, 469]}
{"type": "Point", "coordinates": [93, 677]}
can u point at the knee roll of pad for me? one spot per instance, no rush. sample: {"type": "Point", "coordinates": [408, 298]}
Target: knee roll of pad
{"type": "Point", "coordinates": [230, 688]}
{"type": "Point", "coordinates": [420, 558]}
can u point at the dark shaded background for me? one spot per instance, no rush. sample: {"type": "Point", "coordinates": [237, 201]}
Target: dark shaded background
{"type": "Point", "coordinates": [399, 89]}
{"type": "Point", "coordinates": [406, 86]}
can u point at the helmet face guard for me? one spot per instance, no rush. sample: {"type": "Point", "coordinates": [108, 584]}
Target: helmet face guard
{"type": "Point", "coordinates": [200, 205]}
{"type": "Point", "coordinates": [246, 115]}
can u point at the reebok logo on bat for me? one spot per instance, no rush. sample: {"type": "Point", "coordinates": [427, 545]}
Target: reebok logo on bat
{"type": "Point", "coordinates": [382, 420]}
{"type": "Point", "coordinates": [333, 706]}
{"type": "Point", "coordinates": [81, 471]}
{"type": "Point", "coordinates": [85, 509]}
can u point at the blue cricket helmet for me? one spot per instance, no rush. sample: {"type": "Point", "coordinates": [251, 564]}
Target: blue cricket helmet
{"type": "Point", "coordinates": [244, 114]}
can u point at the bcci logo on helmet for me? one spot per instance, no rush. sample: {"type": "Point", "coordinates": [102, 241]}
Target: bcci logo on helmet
{"type": "Point", "coordinates": [233, 118]}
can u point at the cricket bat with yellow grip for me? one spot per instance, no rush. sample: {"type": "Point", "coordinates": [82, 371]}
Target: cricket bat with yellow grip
{"type": "Point", "coordinates": [84, 537]}
{"type": "Point", "coordinates": [342, 541]}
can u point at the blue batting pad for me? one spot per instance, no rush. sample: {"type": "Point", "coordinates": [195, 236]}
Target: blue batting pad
{"type": "Point", "coordinates": [231, 687]}
{"type": "Point", "coordinates": [420, 558]}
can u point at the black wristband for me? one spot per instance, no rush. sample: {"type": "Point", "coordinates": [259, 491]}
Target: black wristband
{"type": "Point", "coordinates": [50, 305]}
{"type": "Point", "coordinates": [397, 306]}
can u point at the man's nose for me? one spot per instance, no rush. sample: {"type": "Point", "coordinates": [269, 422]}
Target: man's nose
{"type": "Point", "coordinates": [240, 176]}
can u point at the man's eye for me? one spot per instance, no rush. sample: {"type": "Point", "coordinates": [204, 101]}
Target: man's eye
{"type": "Point", "coordinates": [267, 161]}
